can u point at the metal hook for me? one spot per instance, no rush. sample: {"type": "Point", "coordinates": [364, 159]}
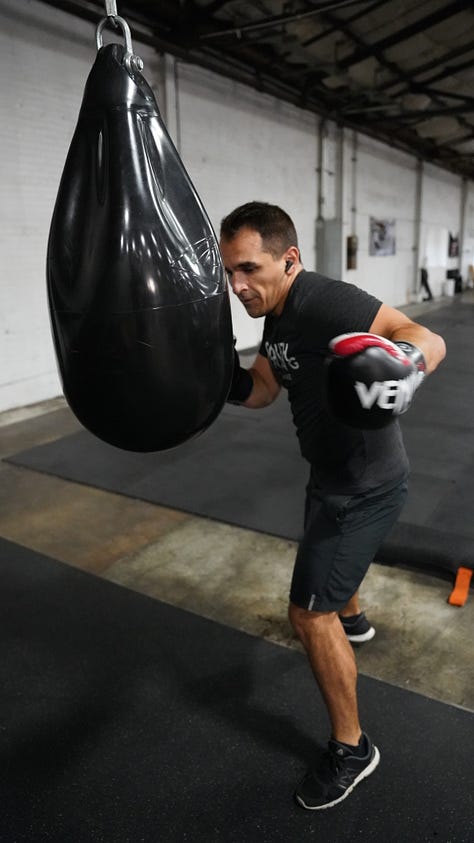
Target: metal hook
{"type": "Point", "coordinates": [134, 62]}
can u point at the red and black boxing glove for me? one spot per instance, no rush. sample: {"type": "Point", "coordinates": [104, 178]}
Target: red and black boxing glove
{"type": "Point", "coordinates": [370, 379]}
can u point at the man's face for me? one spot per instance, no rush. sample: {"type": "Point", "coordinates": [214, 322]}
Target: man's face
{"type": "Point", "coordinates": [256, 277]}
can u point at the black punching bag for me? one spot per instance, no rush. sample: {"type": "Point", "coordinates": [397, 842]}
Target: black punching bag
{"type": "Point", "coordinates": [137, 291]}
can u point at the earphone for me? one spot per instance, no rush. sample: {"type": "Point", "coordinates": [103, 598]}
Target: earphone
{"type": "Point", "coordinates": [288, 265]}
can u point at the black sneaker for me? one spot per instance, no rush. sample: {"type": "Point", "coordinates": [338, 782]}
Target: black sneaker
{"type": "Point", "coordinates": [336, 776]}
{"type": "Point", "coordinates": [357, 628]}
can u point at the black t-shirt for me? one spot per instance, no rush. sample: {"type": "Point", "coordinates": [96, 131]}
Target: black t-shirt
{"type": "Point", "coordinates": [317, 309]}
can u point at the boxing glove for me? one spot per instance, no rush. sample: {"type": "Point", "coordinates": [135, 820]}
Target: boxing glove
{"type": "Point", "coordinates": [369, 380]}
{"type": "Point", "coordinates": [242, 382]}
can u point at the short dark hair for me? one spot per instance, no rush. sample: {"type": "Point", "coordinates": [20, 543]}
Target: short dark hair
{"type": "Point", "coordinates": [272, 223]}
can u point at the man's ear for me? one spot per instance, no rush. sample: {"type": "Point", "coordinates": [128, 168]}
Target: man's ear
{"type": "Point", "coordinates": [292, 256]}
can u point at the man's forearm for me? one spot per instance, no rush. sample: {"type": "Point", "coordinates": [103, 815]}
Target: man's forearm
{"type": "Point", "coordinates": [262, 393]}
{"type": "Point", "coordinates": [431, 345]}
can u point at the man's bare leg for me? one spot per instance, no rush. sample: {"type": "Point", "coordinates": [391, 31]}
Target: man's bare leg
{"type": "Point", "coordinates": [334, 667]}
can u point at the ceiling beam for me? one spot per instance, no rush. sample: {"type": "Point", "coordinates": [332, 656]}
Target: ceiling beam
{"type": "Point", "coordinates": [404, 34]}
{"type": "Point", "coordinates": [448, 70]}
{"type": "Point", "coordinates": [278, 20]}
{"type": "Point", "coordinates": [336, 28]}
{"type": "Point", "coordinates": [421, 115]}
{"type": "Point", "coordinates": [460, 139]}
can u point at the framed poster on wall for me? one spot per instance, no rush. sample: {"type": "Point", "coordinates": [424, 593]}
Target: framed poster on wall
{"type": "Point", "coordinates": [381, 237]}
{"type": "Point", "coordinates": [453, 248]}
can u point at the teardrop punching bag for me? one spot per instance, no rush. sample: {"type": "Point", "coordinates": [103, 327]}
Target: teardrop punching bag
{"type": "Point", "coordinates": [138, 296]}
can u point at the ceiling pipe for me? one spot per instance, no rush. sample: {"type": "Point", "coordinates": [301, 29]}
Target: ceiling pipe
{"type": "Point", "coordinates": [462, 222]}
{"type": "Point", "coordinates": [417, 230]}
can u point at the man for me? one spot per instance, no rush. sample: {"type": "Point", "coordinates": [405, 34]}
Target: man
{"type": "Point", "coordinates": [358, 478]}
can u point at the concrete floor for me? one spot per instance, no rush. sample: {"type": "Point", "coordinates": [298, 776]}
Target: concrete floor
{"type": "Point", "coordinates": [232, 575]}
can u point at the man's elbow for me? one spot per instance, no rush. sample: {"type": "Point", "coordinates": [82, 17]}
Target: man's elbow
{"type": "Point", "coordinates": [438, 352]}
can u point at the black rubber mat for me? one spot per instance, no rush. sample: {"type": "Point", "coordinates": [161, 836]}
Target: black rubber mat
{"type": "Point", "coordinates": [246, 469]}
{"type": "Point", "coordinates": [127, 720]}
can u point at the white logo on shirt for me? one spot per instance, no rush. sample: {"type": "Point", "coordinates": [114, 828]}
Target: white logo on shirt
{"type": "Point", "coordinates": [278, 355]}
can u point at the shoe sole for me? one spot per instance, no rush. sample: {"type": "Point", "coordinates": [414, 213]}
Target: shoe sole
{"type": "Point", "coordinates": [364, 636]}
{"type": "Point", "coordinates": [363, 775]}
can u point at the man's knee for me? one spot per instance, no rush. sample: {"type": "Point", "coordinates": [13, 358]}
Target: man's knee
{"type": "Point", "coordinates": [307, 623]}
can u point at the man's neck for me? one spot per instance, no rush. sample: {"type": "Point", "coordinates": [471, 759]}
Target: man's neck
{"type": "Point", "coordinates": [291, 279]}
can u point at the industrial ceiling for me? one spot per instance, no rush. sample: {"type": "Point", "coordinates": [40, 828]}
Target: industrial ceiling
{"type": "Point", "coordinates": [401, 71]}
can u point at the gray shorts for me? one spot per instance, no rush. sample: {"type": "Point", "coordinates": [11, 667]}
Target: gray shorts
{"type": "Point", "coordinates": [342, 535]}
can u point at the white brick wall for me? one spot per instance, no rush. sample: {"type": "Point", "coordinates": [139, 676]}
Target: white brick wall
{"type": "Point", "coordinates": [441, 214]}
{"type": "Point", "coordinates": [237, 145]}
{"type": "Point", "coordinates": [34, 134]}
{"type": "Point", "coordinates": [386, 184]}
{"type": "Point", "coordinates": [45, 57]}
